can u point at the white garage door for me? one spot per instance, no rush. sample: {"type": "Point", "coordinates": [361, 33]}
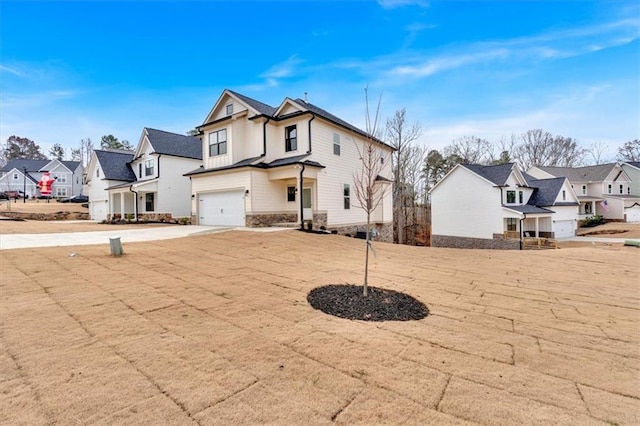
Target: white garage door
{"type": "Point", "coordinates": [563, 228]}
{"type": "Point", "coordinates": [222, 208]}
{"type": "Point", "coordinates": [633, 214]}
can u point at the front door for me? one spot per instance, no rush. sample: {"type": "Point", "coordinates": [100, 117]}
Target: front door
{"type": "Point", "coordinates": [307, 210]}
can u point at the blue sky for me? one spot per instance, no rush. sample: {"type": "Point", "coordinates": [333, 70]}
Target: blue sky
{"type": "Point", "coordinates": [72, 70]}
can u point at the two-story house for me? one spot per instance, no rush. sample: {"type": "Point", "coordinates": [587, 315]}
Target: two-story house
{"type": "Point", "coordinates": [157, 189]}
{"type": "Point", "coordinates": [106, 168]}
{"type": "Point", "coordinates": [603, 189]}
{"type": "Point", "coordinates": [476, 206]}
{"type": "Point", "coordinates": [21, 174]}
{"type": "Point", "coordinates": [265, 166]}
{"type": "Point", "coordinates": [632, 209]}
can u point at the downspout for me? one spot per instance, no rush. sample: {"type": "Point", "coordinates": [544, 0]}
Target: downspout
{"type": "Point", "coordinates": [521, 228]}
{"type": "Point", "coordinates": [301, 199]}
{"type": "Point", "coordinates": [135, 201]}
{"type": "Point", "coordinates": [158, 174]}
{"type": "Point", "coordinates": [313, 117]}
{"type": "Point", "coordinates": [264, 137]}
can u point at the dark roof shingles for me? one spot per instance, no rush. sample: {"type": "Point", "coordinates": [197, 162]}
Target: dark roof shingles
{"type": "Point", "coordinates": [115, 165]}
{"type": "Point", "coordinates": [168, 143]}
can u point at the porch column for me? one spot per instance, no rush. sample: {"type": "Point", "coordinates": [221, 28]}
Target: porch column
{"type": "Point", "coordinates": [593, 208]}
{"type": "Point", "coordinates": [537, 226]}
{"type": "Point", "coordinates": [122, 210]}
{"type": "Point", "coordinates": [110, 195]}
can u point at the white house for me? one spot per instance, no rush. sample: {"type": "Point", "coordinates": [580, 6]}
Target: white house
{"type": "Point", "coordinates": [158, 191]}
{"type": "Point", "coordinates": [265, 165]}
{"type": "Point", "coordinates": [632, 210]}
{"type": "Point", "coordinates": [106, 168]}
{"type": "Point", "coordinates": [67, 175]}
{"type": "Point", "coordinates": [603, 190]}
{"type": "Point", "coordinates": [476, 206]}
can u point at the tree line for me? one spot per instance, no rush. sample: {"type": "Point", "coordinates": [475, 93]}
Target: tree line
{"type": "Point", "coordinates": [17, 147]}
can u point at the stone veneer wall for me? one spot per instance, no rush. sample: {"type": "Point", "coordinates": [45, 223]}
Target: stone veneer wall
{"type": "Point", "coordinates": [474, 243]}
{"type": "Point", "coordinates": [319, 219]}
{"type": "Point", "coordinates": [384, 230]}
{"type": "Point", "coordinates": [264, 220]}
{"type": "Point", "coordinates": [47, 216]}
{"type": "Point", "coordinates": [149, 217]}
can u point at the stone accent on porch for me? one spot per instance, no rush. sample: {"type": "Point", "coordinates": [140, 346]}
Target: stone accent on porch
{"type": "Point", "coordinates": [383, 232]}
{"type": "Point", "coordinates": [271, 219]}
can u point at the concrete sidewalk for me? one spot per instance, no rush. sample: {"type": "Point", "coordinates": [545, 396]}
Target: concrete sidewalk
{"type": "Point", "coordinates": [16, 241]}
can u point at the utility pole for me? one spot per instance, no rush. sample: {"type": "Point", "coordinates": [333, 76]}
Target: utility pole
{"type": "Point", "coordinates": [24, 184]}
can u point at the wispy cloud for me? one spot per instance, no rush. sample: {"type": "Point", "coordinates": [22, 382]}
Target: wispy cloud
{"type": "Point", "coordinates": [392, 4]}
{"type": "Point", "coordinates": [11, 70]}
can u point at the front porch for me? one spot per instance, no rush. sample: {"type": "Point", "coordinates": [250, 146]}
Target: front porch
{"type": "Point", "coordinates": [135, 202]}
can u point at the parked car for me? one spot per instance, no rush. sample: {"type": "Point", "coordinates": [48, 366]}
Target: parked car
{"type": "Point", "coordinates": [14, 194]}
{"type": "Point", "coordinates": [74, 199]}
{"type": "Point", "coordinates": [3, 195]}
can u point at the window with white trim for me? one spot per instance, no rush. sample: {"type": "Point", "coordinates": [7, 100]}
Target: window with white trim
{"type": "Point", "coordinates": [511, 197]}
{"type": "Point", "coordinates": [15, 176]}
{"type": "Point", "coordinates": [218, 143]}
{"type": "Point", "coordinates": [622, 189]}
{"type": "Point", "coordinates": [61, 191]}
{"type": "Point", "coordinates": [148, 168]}
{"type": "Point", "coordinates": [520, 197]}
{"type": "Point", "coordinates": [564, 195]}
{"type": "Point", "coordinates": [609, 189]}
{"type": "Point", "coordinates": [291, 193]}
{"type": "Point", "coordinates": [584, 189]}
{"type": "Point", "coordinates": [512, 224]}
{"type": "Point", "coordinates": [346, 192]}
{"type": "Point", "coordinates": [229, 109]}
{"type": "Point", "coordinates": [336, 144]}
{"type": "Point", "coordinates": [60, 177]}
{"type": "Point", "coordinates": [290, 138]}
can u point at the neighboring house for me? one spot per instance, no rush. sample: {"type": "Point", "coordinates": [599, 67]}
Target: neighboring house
{"type": "Point", "coordinates": [603, 190]}
{"type": "Point", "coordinates": [158, 191]}
{"type": "Point", "coordinates": [476, 206]}
{"type": "Point", "coordinates": [106, 168]}
{"type": "Point", "coordinates": [632, 169]}
{"type": "Point", "coordinates": [67, 175]}
{"type": "Point", "coordinates": [285, 165]}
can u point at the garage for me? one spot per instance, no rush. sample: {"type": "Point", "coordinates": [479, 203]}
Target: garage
{"type": "Point", "coordinates": [564, 228]}
{"type": "Point", "coordinates": [632, 213]}
{"type": "Point", "coordinates": [221, 208]}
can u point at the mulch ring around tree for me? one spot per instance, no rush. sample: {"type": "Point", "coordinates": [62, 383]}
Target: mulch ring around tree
{"type": "Point", "coordinates": [347, 301]}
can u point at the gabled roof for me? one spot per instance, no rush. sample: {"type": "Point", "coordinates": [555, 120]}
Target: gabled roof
{"type": "Point", "coordinates": [261, 107]}
{"type": "Point", "coordinates": [20, 172]}
{"type": "Point", "coordinates": [581, 174]}
{"type": "Point", "coordinates": [174, 144]}
{"type": "Point", "coordinates": [635, 164]}
{"type": "Point", "coordinates": [115, 164]}
{"type": "Point", "coordinates": [497, 174]}
{"type": "Point", "coordinates": [546, 190]}
{"type": "Point", "coordinates": [36, 165]}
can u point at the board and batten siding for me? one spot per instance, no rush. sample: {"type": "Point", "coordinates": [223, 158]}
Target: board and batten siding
{"type": "Point", "coordinates": [465, 205]}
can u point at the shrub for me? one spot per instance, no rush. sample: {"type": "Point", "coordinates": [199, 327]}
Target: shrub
{"type": "Point", "coordinates": [593, 221]}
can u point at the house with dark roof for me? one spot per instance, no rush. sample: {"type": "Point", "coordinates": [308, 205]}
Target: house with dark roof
{"type": "Point", "coordinates": [477, 206]}
{"type": "Point", "coordinates": [285, 165]}
{"type": "Point", "coordinates": [24, 174]}
{"type": "Point", "coordinates": [106, 168]}
{"type": "Point", "coordinates": [147, 183]}
{"type": "Point", "coordinates": [604, 189]}
{"type": "Point", "coordinates": [632, 209]}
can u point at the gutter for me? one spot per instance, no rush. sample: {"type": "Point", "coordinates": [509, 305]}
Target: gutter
{"type": "Point", "coordinates": [301, 198]}
{"type": "Point", "coordinates": [264, 137]}
{"type": "Point", "coordinates": [313, 117]}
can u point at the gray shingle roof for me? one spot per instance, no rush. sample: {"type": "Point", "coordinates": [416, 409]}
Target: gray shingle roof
{"type": "Point", "coordinates": [261, 107]}
{"type": "Point", "coordinates": [546, 191]}
{"type": "Point", "coordinates": [497, 174]}
{"type": "Point", "coordinates": [168, 143]}
{"type": "Point", "coordinates": [249, 162]}
{"type": "Point", "coordinates": [529, 209]}
{"type": "Point", "coordinates": [115, 165]}
{"type": "Point", "coordinates": [635, 164]}
{"type": "Point", "coordinates": [36, 165]}
{"type": "Point", "coordinates": [581, 174]}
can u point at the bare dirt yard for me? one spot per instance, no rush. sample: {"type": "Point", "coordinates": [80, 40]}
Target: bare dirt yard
{"type": "Point", "coordinates": [216, 329]}
{"type": "Point", "coordinates": [613, 230]}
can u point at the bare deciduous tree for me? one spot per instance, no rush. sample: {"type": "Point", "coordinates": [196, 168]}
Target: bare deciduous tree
{"type": "Point", "coordinates": [630, 151]}
{"type": "Point", "coordinates": [471, 150]}
{"type": "Point", "coordinates": [400, 135]}
{"type": "Point", "coordinates": [369, 190]}
{"type": "Point", "coordinates": [541, 148]}
{"type": "Point", "coordinates": [83, 152]}
{"type": "Point", "coordinates": [597, 153]}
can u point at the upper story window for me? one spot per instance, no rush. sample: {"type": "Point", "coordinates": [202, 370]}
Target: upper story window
{"type": "Point", "coordinates": [60, 177]}
{"type": "Point", "coordinates": [564, 195]}
{"type": "Point", "coordinates": [148, 168]}
{"type": "Point", "coordinates": [140, 170]}
{"type": "Point", "coordinates": [97, 172]}
{"type": "Point", "coordinates": [622, 189]}
{"type": "Point", "coordinates": [584, 189]}
{"type": "Point", "coordinates": [346, 192]}
{"type": "Point", "coordinates": [336, 144]}
{"type": "Point", "coordinates": [15, 176]}
{"type": "Point", "coordinates": [609, 189]}
{"type": "Point", "coordinates": [229, 109]}
{"type": "Point", "coordinates": [520, 197]}
{"type": "Point", "coordinates": [218, 143]}
{"type": "Point", "coordinates": [511, 197]}
{"type": "Point", "coordinates": [290, 138]}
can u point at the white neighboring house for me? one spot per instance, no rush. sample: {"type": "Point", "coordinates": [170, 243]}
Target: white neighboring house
{"type": "Point", "coordinates": [603, 190]}
{"type": "Point", "coordinates": [476, 206]}
{"type": "Point", "coordinates": [159, 190]}
{"type": "Point", "coordinates": [67, 175]}
{"type": "Point", "coordinates": [108, 167]}
{"type": "Point", "coordinates": [284, 165]}
{"type": "Point", "coordinates": [632, 210]}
